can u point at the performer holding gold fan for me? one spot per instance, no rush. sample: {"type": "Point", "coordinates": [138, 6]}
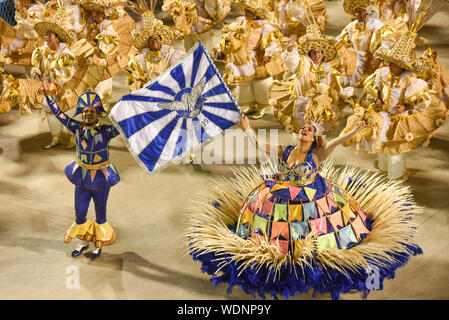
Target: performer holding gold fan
{"type": "Point", "coordinates": [289, 14]}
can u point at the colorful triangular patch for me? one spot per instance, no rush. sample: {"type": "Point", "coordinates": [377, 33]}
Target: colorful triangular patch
{"type": "Point", "coordinates": [294, 192]}
{"type": "Point", "coordinates": [278, 187]}
{"type": "Point", "coordinates": [323, 207]}
{"type": "Point", "coordinates": [92, 175]}
{"type": "Point", "coordinates": [84, 172]}
{"type": "Point", "coordinates": [347, 236]}
{"type": "Point", "coordinates": [336, 220]}
{"type": "Point", "coordinates": [97, 158]}
{"type": "Point", "coordinates": [280, 212]}
{"type": "Point", "coordinates": [91, 99]}
{"type": "Point", "coordinates": [295, 212]}
{"type": "Point", "coordinates": [75, 167]}
{"type": "Point", "coordinates": [299, 229]}
{"type": "Point", "coordinates": [261, 224]}
{"type": "Point", "coordinates": [339, 198]}
{"type": "Point", "coordinates": [318, 226]}
{"type": "Point", "coordinates": [267, 207]}
{"type": "Point", "coordinates": [263, 193]}
{"type": "Point", "coordinates": [248, 216]}
{"type": "Point", "coordinates": [280, 228]}
{"type": "Point", "coordinates": [327, 241]}
{"type": "Point", "coordinates": [309, 192]}
{"type": "Point", "coordinates": [84, 97]}
{"type": "Point", "coordinates": [105, 172]}
{"type": "Point", "coordinates": [98, 138]}
{"type": "Point", "coordinates": [359, 227]}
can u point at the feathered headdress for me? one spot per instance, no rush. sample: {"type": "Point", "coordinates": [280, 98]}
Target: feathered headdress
{"type": "Point", "coordinates": [403, 51]}
{"type": "Point", "coordinates": [150, 25]}
{"type": "Point", "coordinates": [301, 11]}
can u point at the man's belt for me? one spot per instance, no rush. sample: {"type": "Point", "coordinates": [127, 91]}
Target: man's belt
{"type": "Point", "coordinates": [97, 166]}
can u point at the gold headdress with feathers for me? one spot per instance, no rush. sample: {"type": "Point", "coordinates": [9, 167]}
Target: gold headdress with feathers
{"type": "Point", "coordinates": [150, 25]}
{"type": "Point", "coordinates": [403, 51]}
{"type": "Point", "coordinates": [314, 38]}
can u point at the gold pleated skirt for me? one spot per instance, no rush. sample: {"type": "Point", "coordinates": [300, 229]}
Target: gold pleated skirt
{"type": "Point", "coordinates": [100, 235]}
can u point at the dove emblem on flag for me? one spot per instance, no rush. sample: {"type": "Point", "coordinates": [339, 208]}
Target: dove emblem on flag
{"type": "Point", "coordinates": [191, 101]}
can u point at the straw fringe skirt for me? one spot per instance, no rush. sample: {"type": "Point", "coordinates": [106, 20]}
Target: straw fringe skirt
{"type": "Point", "coordinates": [260, 268]}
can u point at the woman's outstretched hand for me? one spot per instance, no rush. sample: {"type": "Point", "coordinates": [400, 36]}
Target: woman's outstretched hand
{"type": "Point", "coordinates": [244, 123]}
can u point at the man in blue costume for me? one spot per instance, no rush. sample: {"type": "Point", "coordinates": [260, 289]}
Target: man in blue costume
{"type": "Point", "coordinates": [91, 172]}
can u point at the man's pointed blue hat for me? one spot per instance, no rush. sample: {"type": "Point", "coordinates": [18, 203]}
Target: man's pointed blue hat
{"type": "Point", "coordinates": [89, 99]}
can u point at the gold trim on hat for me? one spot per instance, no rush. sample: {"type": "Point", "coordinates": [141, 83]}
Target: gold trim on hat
{"type": "Point", "coordinates": [152, 26]}
{"type": "Point", "coordinates": [401, 53]}
{"type": "Point", "coordinates": [57, 25]}
{"type": "Point", "coordinates": [313, 39]}
{"type": "Point", "coordinates": [105, 6]}
{"type": "Point", "coordinates": [256, 6]}
{"type": "Point", "coordinates": [351, 5]}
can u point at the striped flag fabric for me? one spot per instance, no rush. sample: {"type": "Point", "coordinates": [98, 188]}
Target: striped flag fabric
{"type": "Point", "coordinates": [184, 107]}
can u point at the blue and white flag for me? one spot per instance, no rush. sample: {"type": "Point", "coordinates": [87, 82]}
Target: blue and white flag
{"type": "Point", "coordinates": [185, 106]}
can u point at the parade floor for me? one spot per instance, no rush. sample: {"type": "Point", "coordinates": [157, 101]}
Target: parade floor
{"type": "Point", "coordinates": [149, 260]}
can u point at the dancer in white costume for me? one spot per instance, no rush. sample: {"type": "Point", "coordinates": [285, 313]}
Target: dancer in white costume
{"type": "Point", "coordinates": [359, 40]}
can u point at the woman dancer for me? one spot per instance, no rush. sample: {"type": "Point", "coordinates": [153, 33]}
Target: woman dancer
{"type": "Point", "coordinates": [305, 226]}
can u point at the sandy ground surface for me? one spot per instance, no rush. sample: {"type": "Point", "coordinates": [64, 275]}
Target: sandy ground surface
{"type": "Point", "coordinates": [148, 260]}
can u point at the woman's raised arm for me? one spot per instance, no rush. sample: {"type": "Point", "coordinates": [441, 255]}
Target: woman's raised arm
{"type": "Point", "coordinates": [265, 147]}
{"type": "Point", "coordinates": [330, 146]}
